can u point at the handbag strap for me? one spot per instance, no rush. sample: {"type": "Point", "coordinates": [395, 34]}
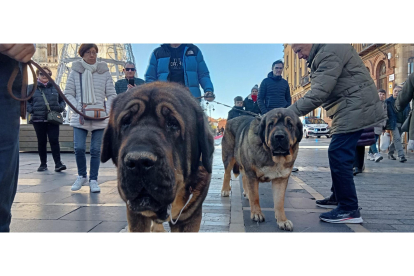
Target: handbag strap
{"type": "Point", "coordinates": [44, 98]}
{"type": "Point", "coordinates": [80, 78]}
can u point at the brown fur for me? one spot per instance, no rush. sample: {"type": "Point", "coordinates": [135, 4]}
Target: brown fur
{"type": "Point", "coordinates": [265, 150]}
{"type": "Point", "coordinates": [156, 136]}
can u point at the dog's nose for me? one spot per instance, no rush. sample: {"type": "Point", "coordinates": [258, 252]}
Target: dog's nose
{"type": "Point", "coordinates": [279, 136]}
{"type": "Point", "coordinates": [140, 160]}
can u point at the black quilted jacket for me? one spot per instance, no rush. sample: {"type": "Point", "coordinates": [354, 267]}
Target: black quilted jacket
{"type": "Point", "coordinates": [36, 105]}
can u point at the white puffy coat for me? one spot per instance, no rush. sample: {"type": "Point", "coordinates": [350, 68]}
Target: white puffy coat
{"type": "Point", "coordinates": [104, 88]}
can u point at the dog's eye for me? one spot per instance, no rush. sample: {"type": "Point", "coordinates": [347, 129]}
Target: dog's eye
{"type": "Point", "coordinates": [271, 125]}
{"type": "Point", "coordinates": [172, 124]}
{"type": "Point", "coordinates": [126, 123]}
{"type": "Point", "coordinates": [290, 126]}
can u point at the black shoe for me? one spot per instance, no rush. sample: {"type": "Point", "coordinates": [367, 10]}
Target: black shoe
{"type": "Point", "coordinates": [356, 171]}
{"type": "Point", "coordinates": [327, 203]}
{"type": "Point", "coordinates": [60, 167]}
{"type": "Point", "coordinates": [341, 216]}
{"type": "Point", "coordinates": [390, 156]}
{"type": "Point", "coordinates": [402, 159]}
{"type": "Point", "coordinates": [43, 167]}
{"type": "Point", "coordinates": [294, 169]}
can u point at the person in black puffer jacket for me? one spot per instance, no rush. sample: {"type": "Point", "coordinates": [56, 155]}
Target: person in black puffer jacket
{"type": "Point", "coordinates": [237, 109]}
{"type": "Point", "coordinates": [274, 91]}
{"type": "Point", "coordinates": [250, 102]}
{"type": "Point", "coordinates": [36, 106]}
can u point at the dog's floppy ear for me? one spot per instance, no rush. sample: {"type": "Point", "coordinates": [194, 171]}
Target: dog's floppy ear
{"type": "Point", "coordinates": [261, 130]}
{"type": "Point", "coordinates": [205, 142]}
{"type": "Point", "coordinates": [106, 148]}
{"type": "Point", "coordinates": [299, 131]}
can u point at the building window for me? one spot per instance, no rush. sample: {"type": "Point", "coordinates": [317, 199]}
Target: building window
{"type": "Point", "coordinates": [382, 76]}
{"type": "Point", "coordinates": [294, 65]}
{"type": "Point", "coordinates": [294, 76]}
{"type": "Point", "coordinates": [287, 61]}
{"type": "Point", "coordinates": [410, 66]}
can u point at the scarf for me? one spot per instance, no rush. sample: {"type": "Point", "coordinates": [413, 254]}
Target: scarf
{"type": "Point", "coordinates": [254, 98]}
{"type": "Point", "coordinates": [87, 83]}
{"type": "Point", "coordinates": [44, 83]}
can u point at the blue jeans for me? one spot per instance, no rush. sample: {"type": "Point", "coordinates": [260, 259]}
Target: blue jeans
{"type": "Point", "coordinates": [80, 148]}
{"type": "Point", "coordinates": [373, 148]}
{"type": "Point", "coordinates": [341, 155]}
{"type": "Point", "coordinates": [9, 142]}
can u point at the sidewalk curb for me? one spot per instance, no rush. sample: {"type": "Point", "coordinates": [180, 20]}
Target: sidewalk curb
{"type": "Point", "coordinates": [236, 209]}
{"type": "Point", "coordinates": [354, 227]}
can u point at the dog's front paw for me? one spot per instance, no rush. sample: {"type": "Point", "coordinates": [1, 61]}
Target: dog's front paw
{"type": "Point", "coordinates": [225, 193]}
{"type": "Point", "coordinates": [286, 225]}
{"type": "Point", "coordinates": [257, 216]}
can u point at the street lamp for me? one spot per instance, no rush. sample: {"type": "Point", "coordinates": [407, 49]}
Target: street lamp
{"type": "Point", "coordinates": [210, 107]}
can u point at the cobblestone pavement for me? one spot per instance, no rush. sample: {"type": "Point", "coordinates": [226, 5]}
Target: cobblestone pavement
{"type": "Point", "coordinates": [44, 202]}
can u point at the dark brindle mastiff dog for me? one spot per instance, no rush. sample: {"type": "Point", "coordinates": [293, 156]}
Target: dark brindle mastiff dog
{"type": "Point", "coordinates": [264, 150]}
{"type": "Point", "coordinates": [156, 135]}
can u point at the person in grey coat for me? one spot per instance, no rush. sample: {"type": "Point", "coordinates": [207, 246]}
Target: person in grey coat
{"type": "Point", "coordinates": [341, 84]}
{"type": "Point", "coordinates": [403, 100]}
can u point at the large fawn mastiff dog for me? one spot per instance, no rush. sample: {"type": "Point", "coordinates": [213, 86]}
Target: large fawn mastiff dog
{"type": "Point", "coordinates": [156, 136]}
{"type": "Point", "coordinates": [264, 150]}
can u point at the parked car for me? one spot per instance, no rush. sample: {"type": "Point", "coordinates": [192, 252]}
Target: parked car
{"type": "Point", "coordinates": [315, 127]}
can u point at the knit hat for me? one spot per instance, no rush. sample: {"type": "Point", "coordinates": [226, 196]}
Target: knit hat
{"type": "Point", "coordinates": [238, 99]}
{"type": "Point", "coordinates": [255, 87]}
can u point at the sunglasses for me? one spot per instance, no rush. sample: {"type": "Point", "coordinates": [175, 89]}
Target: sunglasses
{"type": "Point", "coordinates": [41, 74]}
{"type": "Point", "coordinates": [130, 69]}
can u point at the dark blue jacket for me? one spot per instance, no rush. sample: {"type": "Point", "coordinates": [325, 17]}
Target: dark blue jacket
{"type": "Point", "coordinates": [274, 92]}
{"type": "Point", "coordinates": [251, 106]}
{"type": "Point", "coordinates": [235, 112]}
{"type": "Point", "coordinates": [195, 69]}
{"type": "Point", "coordinates": [37, 106]}
{"type": "Point", "coordinates": [392, 113]}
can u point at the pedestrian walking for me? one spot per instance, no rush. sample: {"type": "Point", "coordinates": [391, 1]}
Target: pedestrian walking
{"type": "Point", "coordinates": [403, 100]}
{"type": "Point", "coordinates": [44, 99]}
{"type": "Point", "coordinates": [11, 55]}
{"type": "Point", "coordinates": [181, 63]}
{"type": "Point", "coordinates": [89, 83]}
{"type": "Point", "coordinates": [250, 102]}
{"type": "Point", "coordinates": [274, 91]}
{"type": "Point", "coordinates": [237, 109]}
{"type": "Point", "coordinates": [394, 123]}
{"type": "Point", "coordinates": [373, 153]}
{"type": "Point", "coordinates": [341, 84]}
{"type": "Point", "coordinates": [130, 80]}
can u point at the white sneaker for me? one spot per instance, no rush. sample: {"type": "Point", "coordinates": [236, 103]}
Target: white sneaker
{"type": "Point", "coordinates": [370, 157]}
{"type": "Point", "coordinates": [79, 182]}
{"type": "Point", "coordinates": [378, 157]}
{"type": "Point", "coordinates": [93, 185]}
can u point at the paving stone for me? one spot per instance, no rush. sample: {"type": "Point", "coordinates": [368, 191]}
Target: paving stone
{"type": "Point", "coordinates": [377, 226]}
{"type": "Point", "coordinates": [100, 213]}
{"type": "Point", "coordinates": [26, 225]}
{"type": "Point", "coordinates": [30, 211]}
{"type": "Point", "coordinates": [109, 226]}
{"type": "Point", "coordinates": [40, 198]}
